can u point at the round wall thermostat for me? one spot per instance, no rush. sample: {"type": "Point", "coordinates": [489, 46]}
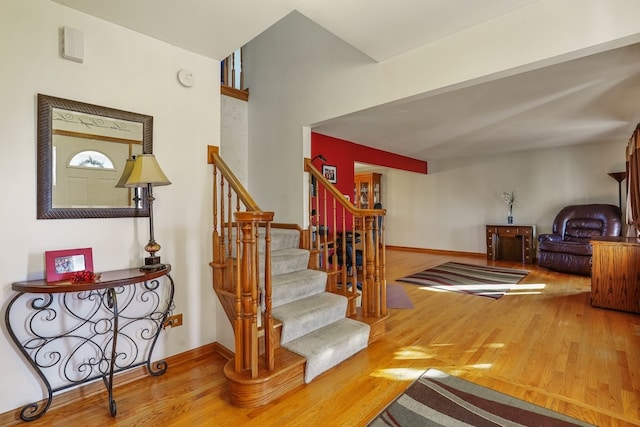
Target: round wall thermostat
{"type": "Point", "coordinates": [185, 77]}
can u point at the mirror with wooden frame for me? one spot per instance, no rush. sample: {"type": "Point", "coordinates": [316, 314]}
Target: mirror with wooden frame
{"type": "Point", "coordinates": [82, 151]}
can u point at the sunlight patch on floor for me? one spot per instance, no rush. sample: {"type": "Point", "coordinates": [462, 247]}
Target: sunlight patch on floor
{"type": "Point", "coordinates": [494, 345]}
{"type": "Point", "coordinates": [513, 288]}
{"type": "Point", "coordinates": [531, 286]}
{"type": "Point", "coordinates": [472, 287]}
{"type": "Point", "coordinates": [426, 288]}
{"type": "Point", "coordinates": [480, 366]}
{"type": "Point", "coordinates": [398, 374]}
{"type": "Point", "coordinates": [527, 289]}
{"type": "Point", "coordinates": [484, 346]}
{"type": "Point", "coordinates": [409, 353]}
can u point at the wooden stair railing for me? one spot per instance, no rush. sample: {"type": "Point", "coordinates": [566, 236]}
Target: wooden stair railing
{"type": "Point", "coordinates": [236, 268]}
{"type": "Point", "coordinates": [340, 232]}
{"type": "Point", "coordinates": [261, 370]}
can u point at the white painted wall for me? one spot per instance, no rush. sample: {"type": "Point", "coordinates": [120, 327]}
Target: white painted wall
{"type": "Point", "coordinates": [123, 70]}
{"type": "Point", "coordinates": [234, 150]}
{"type": "Point", "coordinates": [234, 136]}
{"type": "Point", "coordinates": [449, 208]}
{"type": "Point", "coordinates": [300, 74]}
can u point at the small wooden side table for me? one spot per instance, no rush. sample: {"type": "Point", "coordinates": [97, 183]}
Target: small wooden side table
{"type": "Point", "coordinates": [615, 273]}
{"type": "Point", "coordinates": [511, 242]}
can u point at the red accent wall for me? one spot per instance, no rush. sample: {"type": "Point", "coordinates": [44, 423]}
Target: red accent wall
{"type": "Point", "coordinates": [342, 154]}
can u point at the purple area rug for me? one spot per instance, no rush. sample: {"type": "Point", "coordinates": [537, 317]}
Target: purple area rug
{"type": "Point", "coordinates": [438, 399]}
{"type": "Point", "coordinates": [482, 280]}
{"type": "Point", "coordinates": [397, 297]}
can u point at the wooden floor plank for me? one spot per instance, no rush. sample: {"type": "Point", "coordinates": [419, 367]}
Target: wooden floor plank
{"type": "Point", "coordinates": [546, 345]}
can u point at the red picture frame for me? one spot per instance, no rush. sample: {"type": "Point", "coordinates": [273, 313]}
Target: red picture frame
{"type": "Point", "coordinates": [60, 265]}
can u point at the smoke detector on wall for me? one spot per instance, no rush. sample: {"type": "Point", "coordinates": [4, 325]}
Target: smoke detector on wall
{"type": "Point", "coordinates": [186, 78]}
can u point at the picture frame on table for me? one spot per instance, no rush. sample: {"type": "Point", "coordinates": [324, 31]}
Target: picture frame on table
{"type": "Point", "coordinates": [61, 264]}
{"type": "Point", "coordinates": [331, 173]}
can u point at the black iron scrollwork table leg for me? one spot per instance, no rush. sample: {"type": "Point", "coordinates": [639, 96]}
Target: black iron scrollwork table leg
{"type": "Point", "coordinates": [75, 333]}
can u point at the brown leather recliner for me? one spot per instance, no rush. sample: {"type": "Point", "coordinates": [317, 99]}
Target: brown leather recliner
{"type": "Point", "coordinates": [567, 248]}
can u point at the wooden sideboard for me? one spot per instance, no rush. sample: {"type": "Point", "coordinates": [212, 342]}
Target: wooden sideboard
{"type": "Point", "coordinates": [511, 243]}
{"type": "Point", "coordinates": [615, 273]}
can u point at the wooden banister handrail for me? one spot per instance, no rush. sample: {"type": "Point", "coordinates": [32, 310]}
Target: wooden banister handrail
{"type": "Point", "coordinates": [308, 167]}
{"type": "Point", "coordinates": [356, 262]}
{"type": "Point", "coordinates": [242, 271]}
{"type": "Point", "coordinates": [237, 266]}
{"type": "Point", "coordinates": [214, 158]}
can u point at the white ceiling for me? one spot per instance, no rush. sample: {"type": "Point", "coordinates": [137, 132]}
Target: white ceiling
{"type": "Point", "coordinates": [591, 99]}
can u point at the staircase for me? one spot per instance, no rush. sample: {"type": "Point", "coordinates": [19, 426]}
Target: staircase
{"type": "Point", "coordinates": [314, 322]}
{"type": "Point", "coordinates": [294, 314]}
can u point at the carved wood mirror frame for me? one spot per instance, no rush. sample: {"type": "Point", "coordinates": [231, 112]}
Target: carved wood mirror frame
{"type": "Point", "coordinates": [45, 165]}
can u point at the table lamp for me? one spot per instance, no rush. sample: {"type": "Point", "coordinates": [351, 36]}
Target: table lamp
{"type": "Point", "coordinates": [146, 172]}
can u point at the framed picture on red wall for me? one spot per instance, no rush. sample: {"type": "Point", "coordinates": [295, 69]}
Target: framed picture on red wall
{"type": "Point", "coordinates": [60, 265]}
{"type": "Point", "coordinates": [331, 173]}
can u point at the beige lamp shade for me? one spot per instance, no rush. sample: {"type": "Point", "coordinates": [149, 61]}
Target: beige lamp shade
{"type": "Point", "coordinates": [146, 170]}
{"type": "Point", "coordinates": [126, 173]}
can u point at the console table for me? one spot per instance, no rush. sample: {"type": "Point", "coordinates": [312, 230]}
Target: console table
{"type": "Point", "coordinates": [511, 243]}
{"type": "Point", "coordinates": [615, 273]}
{"type": "Point", "coordinates": [74, 333]}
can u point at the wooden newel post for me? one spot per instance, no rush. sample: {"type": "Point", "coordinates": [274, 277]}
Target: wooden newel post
{"type": "Point", "coordinates": [247, 291]}
{"type": "Point", "coordinates": [370, 296]}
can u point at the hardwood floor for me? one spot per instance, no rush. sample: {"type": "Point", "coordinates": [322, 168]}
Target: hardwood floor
{"type": "Point", "coordinates": [546, 345]}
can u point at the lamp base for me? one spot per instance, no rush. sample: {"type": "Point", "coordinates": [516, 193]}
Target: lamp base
{"type": "Point", "coordinates": [152, 263]}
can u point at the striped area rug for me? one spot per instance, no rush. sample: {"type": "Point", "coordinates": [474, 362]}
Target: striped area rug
{"type": "Point", "coordinates": [438, 399]}
{"type": "Point", "coordinates": [486, 281]}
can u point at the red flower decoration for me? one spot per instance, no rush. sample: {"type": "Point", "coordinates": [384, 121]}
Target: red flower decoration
{"type": "Point", "coordinates": [83, 276]}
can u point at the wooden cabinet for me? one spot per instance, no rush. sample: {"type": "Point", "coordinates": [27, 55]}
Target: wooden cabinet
{"type": "Point", "coordinates": [367, 190]}
{"type": "Point", "coordinates": [511, 243]}
{"type": "Point", "coordinates": [615, 273]}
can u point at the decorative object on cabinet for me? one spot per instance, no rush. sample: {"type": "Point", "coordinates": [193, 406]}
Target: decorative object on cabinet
{"type": "Point", "coordinates": [146, 172]}
{"type": "Point", "coordinates": [75, 333]}
{"type": "Point", "coordinates": [615, 275]}
{"type": "Point", "coordinates": [511, 243]}
{"type": "Point", "coordinates": [331, 173]}
{"type": "Point", "coordinates": [67, 128]}
{"type": "Point", "coordinates": [619, 177]}
{"type": "Point", "coordinates": [567, 248]}
{"type": "Point", "coordinates": [367, 191]}
{"type": "Point", "coordinates": [510, 200]}
{"type": "Point", "coordinates": [60, 265]}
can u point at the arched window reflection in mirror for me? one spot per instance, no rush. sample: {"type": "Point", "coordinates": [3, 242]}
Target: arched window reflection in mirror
{"type": "Point", "coordinates": [91, 160]}
{"type": "Point", "coordinates": [82, 150]}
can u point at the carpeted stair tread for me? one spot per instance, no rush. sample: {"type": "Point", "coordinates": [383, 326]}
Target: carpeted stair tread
{"type": "Point", "coordinates": [314, 323]}
{"type": "Point", "coordinates": [309, 314]}
{"type": "Point", "coordinates": [281, 238]}
{"type": "Point", "coordinates": [288, 260]}
{"type": "Point", "coordinates": [296, 285]}
{"type": "Point", "coordinates": [328, 346]}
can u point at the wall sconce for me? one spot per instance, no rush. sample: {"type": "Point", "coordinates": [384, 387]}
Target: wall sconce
{"type": "Point", "coordinates": [319, 156]}
{"type": "Point", "coordinates": [146, 172]}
